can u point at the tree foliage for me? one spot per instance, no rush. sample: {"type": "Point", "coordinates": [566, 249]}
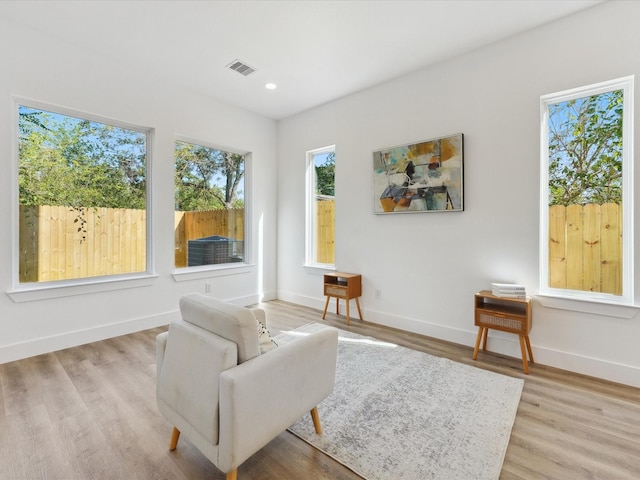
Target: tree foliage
{"type": "Point", "coordinates": [207, 178]}
{"type": "Point", "coordinates": [585, 150]}
{"type": "Point", "coordinates": [325, 176]}
{"type": "Point", "coordinates": [79, 163]}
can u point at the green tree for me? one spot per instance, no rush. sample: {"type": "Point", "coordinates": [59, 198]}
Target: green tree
{"type": "Point", "coordinates": [207, 178]}
{"type": "Point", "coordinates": [78, 163]}
{"type": "Point", "coordinates": [326, 175]}
{"type": "Point", "coordinates": [125, 153]}
{"type": "Point", "coordinates": [585, 150]}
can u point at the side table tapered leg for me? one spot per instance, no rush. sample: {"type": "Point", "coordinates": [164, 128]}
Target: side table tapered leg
{"type": "Point", "coordinates": [475, 351]}
{"type": "Point", "coordinates": [326, 304]}
{"type": "Point", "coordinates": [348, 311]}
{"type": "Point", "coordinates": [526, 339]}
{"type": "Point", "coordinates": [523, 349]}
{"type": "Point", "coordinates": [359, 310]}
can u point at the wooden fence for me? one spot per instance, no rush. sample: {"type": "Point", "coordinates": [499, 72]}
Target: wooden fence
{"type": "Point", "coordinates": [191, 225]}
{"type": "Point", "coordinates": [60, 243]}
{"type": "Point", "coordinates": [325, 231]}
{"type": "Point", "coordinates": [585, 247]}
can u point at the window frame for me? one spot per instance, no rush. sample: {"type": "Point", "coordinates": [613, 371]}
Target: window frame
{"type": "Point", "coordinates": [220, 269]}
{"type": "Point", "coordinates": [311, 211]}
{"type": "Point", "coordinates": [23, 292]}
{"type": "Point", "coordinates": [574, 297]}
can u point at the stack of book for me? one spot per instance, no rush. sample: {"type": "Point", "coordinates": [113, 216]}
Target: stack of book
{"type": "Point", "coordinates": [510, 290]}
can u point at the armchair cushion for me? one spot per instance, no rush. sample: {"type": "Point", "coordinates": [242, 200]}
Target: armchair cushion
{"type": "Point", "coordinates": [235, 323]}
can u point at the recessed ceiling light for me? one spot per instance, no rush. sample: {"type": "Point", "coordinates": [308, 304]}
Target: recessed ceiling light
{"type": "Point", "coordinates": [270, 86]}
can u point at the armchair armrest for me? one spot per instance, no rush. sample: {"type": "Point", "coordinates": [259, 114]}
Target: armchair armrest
{"type": "Point", "coordinates": [261, 398]}
{"type": "Point", "coordinates": [161, 345]}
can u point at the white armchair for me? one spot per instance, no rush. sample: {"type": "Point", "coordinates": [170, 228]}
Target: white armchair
{"type": "Point", "coordinates": [216, 387]}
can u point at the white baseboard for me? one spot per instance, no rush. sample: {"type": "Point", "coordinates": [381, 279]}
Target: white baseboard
{"type": "Point", "coordinates": [244, 300]}
{"type": "Point", "coordinates": [252, 299]}
{"type": "Point", "coordinates": [17, 351]}
{"type": "Point", "coordinates": [498, 342]}
{"type": "Point", "coordinates": [38, 346]}
{"type": "Point", "coordinates": [269, 295]}
{"type": "Point", "coordinates": [311, 302]}
{"type": "Point", "coordinates": [593, 367]}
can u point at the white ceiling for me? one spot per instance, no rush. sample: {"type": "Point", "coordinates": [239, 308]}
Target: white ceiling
{"type": "Point", "coordinates": [315, 51]}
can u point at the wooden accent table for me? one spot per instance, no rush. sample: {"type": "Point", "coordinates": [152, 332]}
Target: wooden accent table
{"type": "Point", "coordinates": [507, 314]}
{"type": "Point", "coordinates": [342, 285]}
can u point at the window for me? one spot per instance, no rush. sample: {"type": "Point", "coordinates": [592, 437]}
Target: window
{"type": "Point", "coordinates": [587, 193]}
{"type": "Point", "coordinates": [82, 186]}
{"type": "Point", "coordinates": [210, 206]}
{"type": "Point", "coordinates": [320, 220]}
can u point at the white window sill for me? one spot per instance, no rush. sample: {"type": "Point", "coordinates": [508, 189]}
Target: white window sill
{"type": "Point", "coordinates": [29, 292]}
{"type": "Point", "coordinates": [595, 307]}
{"type": "Point", "coordinates": [319, 267]}
{"type": "Point", "coordinates": [208, 271]}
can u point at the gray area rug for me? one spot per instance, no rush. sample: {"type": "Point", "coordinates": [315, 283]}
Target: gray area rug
{"type": "Point", "coordinates": [397, 413]}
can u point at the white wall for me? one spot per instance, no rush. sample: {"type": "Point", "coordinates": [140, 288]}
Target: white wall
{"type": "Point", "coordinates": [42, 68]}
{"type": "Point", "coordinates": [428, 266]}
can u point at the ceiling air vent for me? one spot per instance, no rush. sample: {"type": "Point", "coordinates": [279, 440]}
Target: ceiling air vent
{"type": "Point", "coordinates": [240, 67]}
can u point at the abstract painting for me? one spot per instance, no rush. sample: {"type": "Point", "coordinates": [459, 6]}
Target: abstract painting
{"type": "Point", "coordinates": [420, 177]}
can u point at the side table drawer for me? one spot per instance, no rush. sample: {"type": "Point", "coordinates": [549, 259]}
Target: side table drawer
{"type": "Point", "coordinates": [335, 291]}
{"type": "Point", "coordinates": [510, 323]}
{"type": "Point", "coordinates": [515, 325]}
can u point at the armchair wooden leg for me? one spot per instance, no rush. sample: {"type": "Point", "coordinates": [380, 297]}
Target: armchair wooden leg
{"type": "Point", "coordinates": [232, 475]}
{"type": "Point", "coordinates": [316, 420]}
{"type": "Point", "coordinates": [175, 435]}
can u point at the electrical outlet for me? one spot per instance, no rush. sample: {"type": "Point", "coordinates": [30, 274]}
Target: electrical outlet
{"type": "Point", "coordinates": [378, 294]}
{"type": "Point", "coordinates": [207, 287]}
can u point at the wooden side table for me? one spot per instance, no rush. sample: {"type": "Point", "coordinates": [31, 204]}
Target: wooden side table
{"type": "Point", "coordinates": [342, 285]}
{"type": "Point", "coordinates": [507, 314]}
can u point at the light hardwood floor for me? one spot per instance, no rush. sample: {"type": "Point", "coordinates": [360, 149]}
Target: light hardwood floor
{"type": "Point", "coordinates": [89, 412]}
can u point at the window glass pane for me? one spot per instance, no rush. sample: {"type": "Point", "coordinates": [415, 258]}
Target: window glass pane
{"type": "Point", "coordinates": [321, 237]}
{"type": "Point", "coordinates": [210, 208]}
{"type": "Point", "coordinates": [586, 170]}
{"type": "Point", "coordinates": [82, 197]}
{"type": "Point", "coordinates": [585, 150]}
